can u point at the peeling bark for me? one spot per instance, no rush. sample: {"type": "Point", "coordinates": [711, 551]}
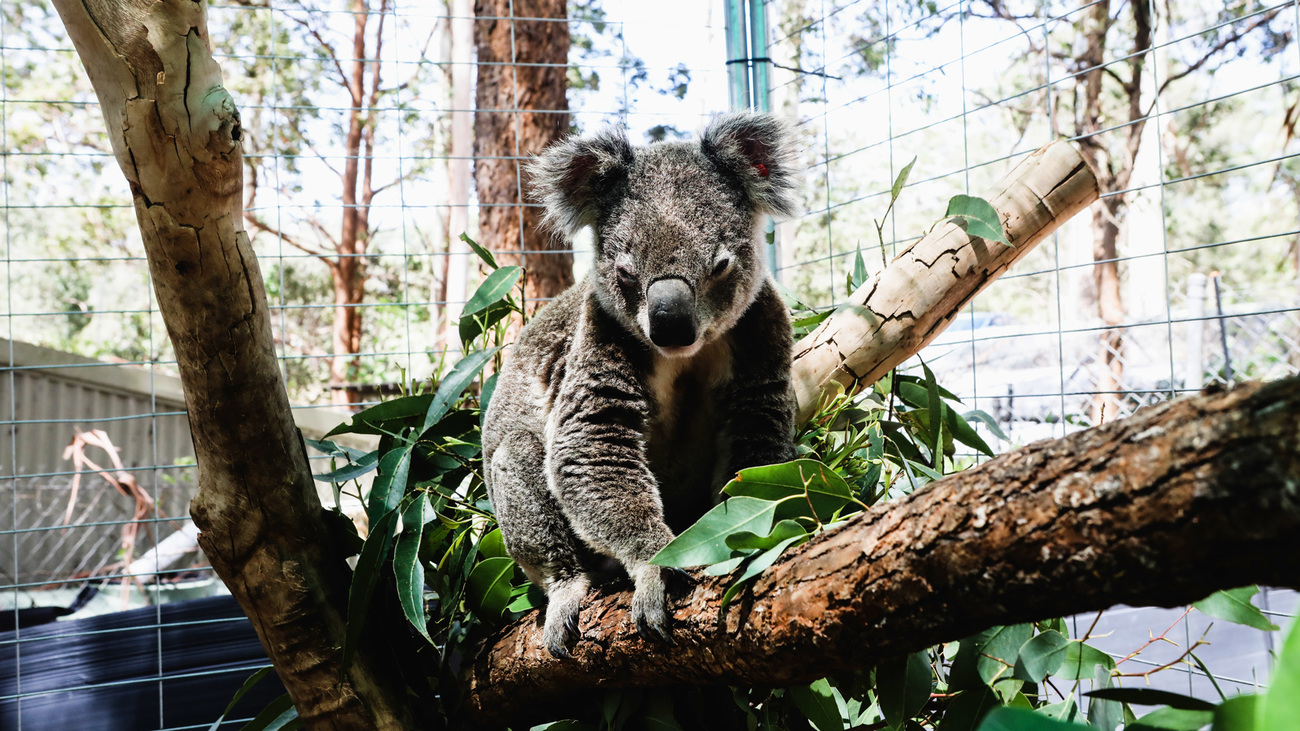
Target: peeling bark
{"type": "Point", "coordinates": [908, 304]}
{"type": "Point", "coordinates": [1163, 508]}
{"type": "Point", "coordinates": [176, 135]}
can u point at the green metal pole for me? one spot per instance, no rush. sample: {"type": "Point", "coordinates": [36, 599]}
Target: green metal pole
{"type": "Point", "coordinates": [761, 94]}
{"type": "Point", "coordinates": [737, 55]}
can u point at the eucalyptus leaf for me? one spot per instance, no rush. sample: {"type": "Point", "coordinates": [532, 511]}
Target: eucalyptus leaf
{"type": "Point", "coordinates": [962, 431]}
{"type": "Point", "coordinates": [903, 686]}
{"type": "Point", "coordinates": [389, 485]}
{"type": "Point", "coordinates": [358, 467]}
{"type": "Point", "coordinates": [1173, 719]}
{"type": "Point", "coordinates": [722, 568]}
{"type": "Point", "coordinates": [1280, 707]}
{"type": "Point", "coordinates": [781, 532]}
{"type": "Point", "coordinates": [473, 325]}
{"type": "Point", "coordinates": [277, 716]}
{"type": "Point", "coordinates": [980, 217]}
{"type": "Point", "coordinates": [1234, 605]}
{"type": "Point", "coordinates": [985, 418]}
{"type": "Point", "coordinates": [1152, 697]}
{"type": "Point", "coordinates": [463, 374]}
{"type": "Point", "coordinates": [1041, 656]}
{"type": "Point", "coordinates": [364, 579]}
{"type": "Point", "coordinates": [488, 587]}
{"type": "Point", "coordinates": [1237, 714]}
{"type": "Point", "coordinates": [380, 418]}
{"type": "Point", "coordinates": [968, 710]}
{"type": "Point", "coordinates": [407, 568]}
{"type": "Point", "coordinates": [493, 289]}
{"type": "Point", "coordinates": [760, 564]}
{"type": "Point", "coordinates": [1080, 659]}
{"type": "Point", "coordinates": [493, 545]}
{"type": "Point", "coordinates": [817, 703]}
{"type": "Point", "coordinates": [483, 253]}
{"type": "Point", "coordinates": [999, 651]}
{"type": "Point", "coordinates": [821, 490]}
{"type": "Point", "coordinates": [248, 684]}
{"type": "Point", "coordinates": [901, 180]}
{"type": "Point", "coordinates": [1017, 719]}
{"type": "Point", "coordinates": [705, 542]}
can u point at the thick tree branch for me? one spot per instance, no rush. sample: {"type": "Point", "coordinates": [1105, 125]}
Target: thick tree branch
{"type": "Point", "coordinates": [177, 137]}
{"type": "Point", "coordinates": [1163, 508]}
{"type": "Point", "coordinates": [908, 304]}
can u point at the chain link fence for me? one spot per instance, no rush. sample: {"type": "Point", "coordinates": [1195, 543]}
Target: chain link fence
{"type": "Point", "coordinates": [363, 168]}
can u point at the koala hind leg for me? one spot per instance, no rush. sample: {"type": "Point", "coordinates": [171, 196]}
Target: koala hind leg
{"type": "Point", "coordinates": [538, 536]}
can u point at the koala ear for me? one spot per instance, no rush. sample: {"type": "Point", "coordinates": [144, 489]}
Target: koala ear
{"type": "Point", "coordinates": [570, 178]}
{"type": "Point", "coordinates": [756, 150]}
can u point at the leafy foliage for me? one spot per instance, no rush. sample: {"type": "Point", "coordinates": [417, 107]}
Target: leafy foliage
{"type": "Point", "coordinates": [433, 540]}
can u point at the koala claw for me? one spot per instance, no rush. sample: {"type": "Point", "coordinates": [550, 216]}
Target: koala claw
{"type": "Point", "coordinates": [650, 605]}
{"type": "Point", "coordinates": [564, 599]}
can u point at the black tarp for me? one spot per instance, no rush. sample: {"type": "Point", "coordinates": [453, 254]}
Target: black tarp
{"type": "Point", "coordinates": [187, 657]}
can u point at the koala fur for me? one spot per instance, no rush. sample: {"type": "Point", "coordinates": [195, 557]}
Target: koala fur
{"type": "Point", "coordinates": [630, 399]}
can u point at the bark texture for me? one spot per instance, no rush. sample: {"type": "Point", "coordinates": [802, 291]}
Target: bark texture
{"type": "Point", "coordinates": [176, 135]}
{"type": "Point", "coordinates": [523, 51]}
{"type": "Point", "coordinates": [1163, 508]}
{"type": "Point", "coordinates": [909, 303]}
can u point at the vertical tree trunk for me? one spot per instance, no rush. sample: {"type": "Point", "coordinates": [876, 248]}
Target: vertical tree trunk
{"type": "Point", "coordinates": [462, 149]}
{"type": "Point", "coordinates": [522, 108]}
{"type": "Point", "coordinates": [176, 135]}
{"type": "Point", "coordinates": [1110, 306]}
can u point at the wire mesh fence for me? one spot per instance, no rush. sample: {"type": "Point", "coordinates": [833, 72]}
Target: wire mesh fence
{"type": "Point", "coordinates": [377, 132]}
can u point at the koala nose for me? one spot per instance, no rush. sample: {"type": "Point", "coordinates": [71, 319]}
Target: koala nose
{"type": "Point", "coordinates": [672, 313]}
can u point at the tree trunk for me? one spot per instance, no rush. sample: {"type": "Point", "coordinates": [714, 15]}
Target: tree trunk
{"type": "Point", "coordinates": [1164, 508]}
{"type": "Point", "coordinates": [908, 304]}
{"type": "Point", "coordinates": [176, 135]}
{"type": "Point", "coordinates": [522, 108]}
{"type": "Point", "coordinates": [1110, 306]}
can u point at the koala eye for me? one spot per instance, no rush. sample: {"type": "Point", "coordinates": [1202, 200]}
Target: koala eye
{"type": "Point", "coordinates": [722, 267]}
{"type": "Point", "coordinates": [625, 275]}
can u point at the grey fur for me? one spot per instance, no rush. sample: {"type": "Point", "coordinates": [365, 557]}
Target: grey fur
{"type": "Point", "coordinates": [599, 442]}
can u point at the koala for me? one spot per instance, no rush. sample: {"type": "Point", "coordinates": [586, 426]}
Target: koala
{"type": "Point", "coordinates": [628, 400]}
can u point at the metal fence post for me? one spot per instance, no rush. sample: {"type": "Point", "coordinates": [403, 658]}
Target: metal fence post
{"type": "Point", "coordinates": [1194, 378]}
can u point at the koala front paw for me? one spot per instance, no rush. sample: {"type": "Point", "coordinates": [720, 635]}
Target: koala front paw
{"type": "Point", "coordinates": [563, 602]}
{"type": "Point", "coordinates": [650, 604]}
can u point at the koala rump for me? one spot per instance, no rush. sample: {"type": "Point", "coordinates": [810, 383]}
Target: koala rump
{"type": "Point", "coordinates": [629, 400]}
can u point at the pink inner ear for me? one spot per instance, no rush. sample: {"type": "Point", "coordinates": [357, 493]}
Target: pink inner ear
{"type": "Point", "coordinates": [761, 168]}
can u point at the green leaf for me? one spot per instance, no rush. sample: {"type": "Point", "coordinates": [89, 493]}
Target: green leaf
{"type": "Point", "coordinates": [1017, 719]}
{"type": "Point", "coordinates": [493, 289]}
{"type": "Point", "coordinates": [988, 421]}
{"type": "Point", "coordinates": [903, 687]}
{"type": "Point", "coordinates": [1237, 714]}
{"type": "Point", "coordinates": [820, 489]}
{"type": "Point", "coordinates": [407, 567]}
{"type": "Point", "coordinates": [249, 682]}
{"type": "Point", "coordinates": [1152, 697]}
{"type": "Point", "coordinates": [936, 407]}
{"type": "Point", "coordinates": [722, 568]}
{"type": "Point", "coordinates": [901, 180]}
{"type": "Point", "coordinates": [962, 431]}
{"type": "Point", "coordinates": [706, 541]}
{"type": "Point", "coordinates": [1173, 719]}
{"type": "Point", "coordinates": [489, 587]}
{"type": "Point", "coordinates": [804, 325]}
{"type": "Point", "coordinates": [466, 370]}
{"type": "Point", "coordinates": [1041, 656]}
{"type": "Point", "coordinates": [483, 253]}
{"type": "Point", "coordinates": [659, 714]}
{"type": "Point", "coordinates": [472, 326]}
{"type": "Point", "coordinates": [1104, 715]}
{"type": "Point", "coordinates": [859, 270]}
{"type": "Point", "coordinates": [277, 716]}
{"type": "Point", "coordinates": [979, 216]}
{"type": "Point", "coordinates": [1280, 707]}
{"type": "Point", "coordinates": [380, 418]}
{"type": "Point", "coordinates": [781, 532]}
{"type": "Point", "coordinates": [998, 653]}
{"type": "Point", "coordinates": [531, 598]}
{"type": "Point", "coordinates": [364, 579]}
{"type": "Point", "coordinates": [327, 447]}
{"type": "Point", "coordinates": [390, 484]}
{"type": "Point", "coordinates": [493, 545]}
{"type": "Point", "coordinates": [760, 564]}
{"type": "Point", "coordinates": [485, 397]}
{"type": "Point", "coordinates": [1234, 605]}
{"type": "Point", "coordinates": [1079, 661]}
{"type": "Point", "coordinates": [968, 709]}
{"type": "Point", "coordinates": [817, 703]}
{"type": "Point", "coordinates": [1065, 710]}
{"type": "Point", "coordinates": [352, 470]}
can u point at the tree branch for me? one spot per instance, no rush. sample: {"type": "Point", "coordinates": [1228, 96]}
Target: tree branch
{"type": "Point", "coordinates": [1164, 508]}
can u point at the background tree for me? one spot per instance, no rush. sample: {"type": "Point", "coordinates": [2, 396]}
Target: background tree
{"type": "Point", "coordinates": [522, 106]}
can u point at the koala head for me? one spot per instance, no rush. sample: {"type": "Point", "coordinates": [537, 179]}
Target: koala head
{"type": "Point", "coordinates": [676, 224]}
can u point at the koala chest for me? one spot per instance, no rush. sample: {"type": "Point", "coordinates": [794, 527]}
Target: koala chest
{"type": "Point", "coordinates": [685, 440]}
